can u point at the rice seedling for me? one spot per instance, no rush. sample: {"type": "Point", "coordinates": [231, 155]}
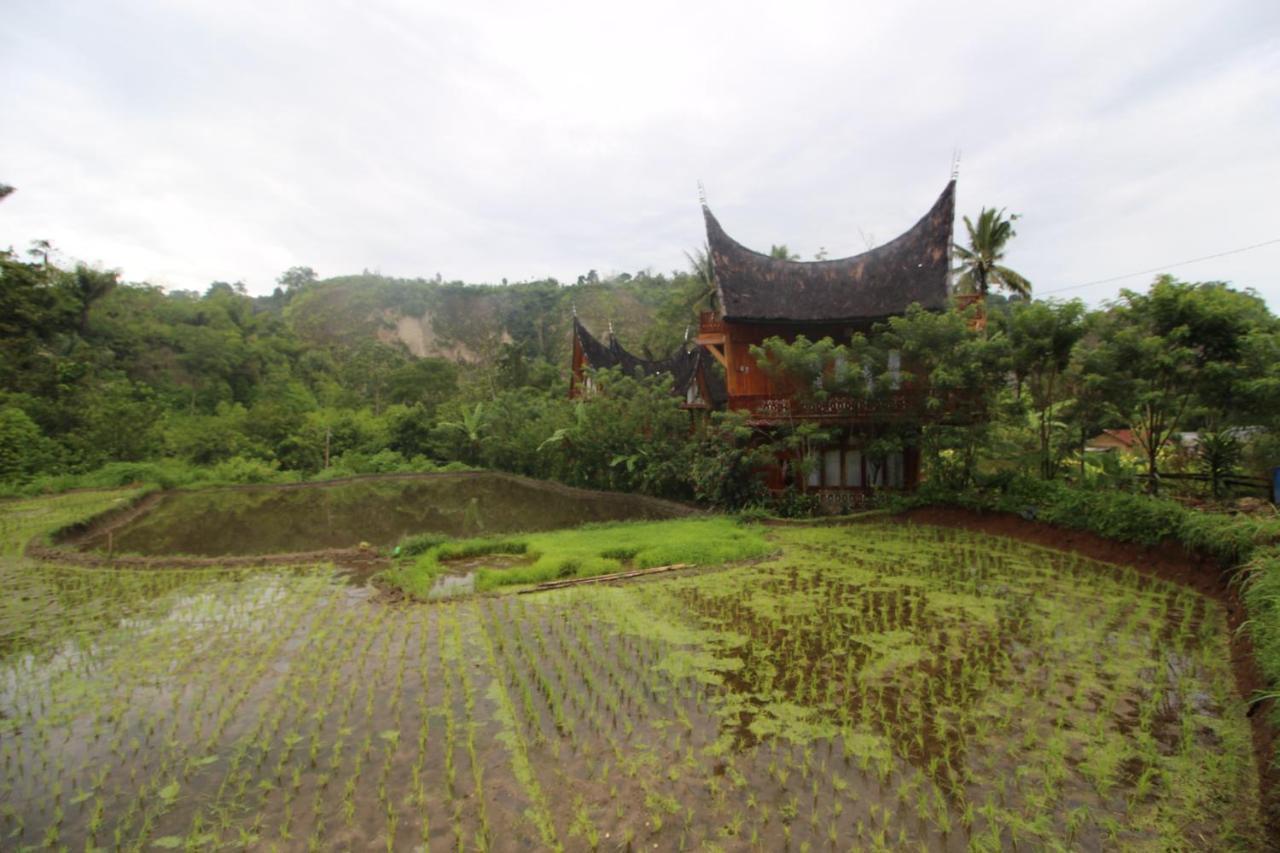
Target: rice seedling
{"type": "Point", "coordinates": [872, 686]}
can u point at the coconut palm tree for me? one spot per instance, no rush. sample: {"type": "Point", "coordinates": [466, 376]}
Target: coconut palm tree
{"type": "Point", "coordinates": [471, 426]}
{"type": "Point", "coordinates": [979, 268]}
{"type": "Point", "coordinates": [90, 285]}
{"type": "Point", "coordinates": [704, 274]}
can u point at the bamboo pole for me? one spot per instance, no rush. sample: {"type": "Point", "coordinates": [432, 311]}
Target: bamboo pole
{"type": "Point", "coordinates": [568, 582]}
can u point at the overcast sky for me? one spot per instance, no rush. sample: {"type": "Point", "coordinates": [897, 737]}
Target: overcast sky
{"type": "Point", "coordinates": [187, 142]}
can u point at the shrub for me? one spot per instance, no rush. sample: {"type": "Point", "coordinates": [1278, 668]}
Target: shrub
{"type": "Point", "coordinates": [165, 473]}
{"type": "Point", "coordinates": [242, 469]}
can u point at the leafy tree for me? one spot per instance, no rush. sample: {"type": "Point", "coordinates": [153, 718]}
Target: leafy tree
{"type": "Point", "coordinates": [119, 421]}
{"type": "Point", "coordinates": [1041, 337]}
{"type": "Point", "coordinates": [979, 265]}
{"type": "Point", "coordinates": [955, 375]}
{"type": "Point", "coordinates": [1221, 326]}
{"type": "Point", "coordinates": [782, 253]}
{"type": "Point", "coordinates": [24, 450]}
{"type": "Point", "coordinates": [424, 381]}
{"type": "Point", "coordinates": [36, 316]}
{"type": "Point", "coordinates": [296, 278]}
{"type": "Point", "coordinates": [934, 361]}
{"type": "Point", "coordinates": [807, 369]}
{"type": "Point", "coordinates": [1173, 349]}
{"type": "Point", "coordinates": [369, 368]}
{"type": "Point", "coordinates": [209, 439]}
{"type": "Point", "coordinates": [89, 285]}
{"type": "Point", "coordinates": [1090, 389]}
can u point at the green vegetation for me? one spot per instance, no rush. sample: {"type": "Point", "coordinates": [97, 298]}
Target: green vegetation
{"type": "Point", "coordinates": [1027, 392]}
{"type": "Point", "coordinates": [367, 374]}
{"type": "Point", "coordinates": [1245, 547]}
{"type": "Point", "coordinates": [587, 551]}
{"type": "Point", "coordinates": [979, 268]}
{"type": "Point", "coordinates": [892, 687]}
{"type": "Point", "coordinates": [885, 687]}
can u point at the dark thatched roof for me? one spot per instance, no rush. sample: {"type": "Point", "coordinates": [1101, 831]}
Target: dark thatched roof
{"type": "Point", "coordinates": [683, 365]}
{"type": "Point", "coordinates": [880, 283]}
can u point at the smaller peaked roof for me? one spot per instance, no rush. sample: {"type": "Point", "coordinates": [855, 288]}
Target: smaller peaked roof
{"type": "Point", "coordinates": [914, 267]}
{"type": "Point", "coordinates": [1112, 437]}
{"type": "Point", "coordinates": [683, 365]}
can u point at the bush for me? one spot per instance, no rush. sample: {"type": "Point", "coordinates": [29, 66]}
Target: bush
{"type": "Point", "coordinates": [753, 514]}
{"type": "Point", "coordinates": [24, 449]}
{"type": "Point", "coordinates": [1230, 539]}
{"type": "Point", "coordinates": [165, 473]}
{"type": "Point", "coordinates": [793, 503]}
{"type": "Point", "coordinates": [241, 469]}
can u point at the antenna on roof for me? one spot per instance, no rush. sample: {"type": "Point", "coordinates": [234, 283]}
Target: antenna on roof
{"type": "Point", "coordinates": [955, 163]}
{"type": "Point", "coordinates": [702, 193]}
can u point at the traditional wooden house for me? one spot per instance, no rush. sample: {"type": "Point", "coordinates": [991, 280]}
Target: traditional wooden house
{"type": "Point", "coordinates": [762, 297]}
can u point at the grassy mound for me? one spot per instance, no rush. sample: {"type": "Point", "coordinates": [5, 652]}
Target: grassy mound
{"type": "Point", "coordinates": [587, 551]}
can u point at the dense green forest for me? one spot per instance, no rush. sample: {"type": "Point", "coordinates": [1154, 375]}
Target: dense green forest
{"type": "Point", "coordinates": [364, 374]}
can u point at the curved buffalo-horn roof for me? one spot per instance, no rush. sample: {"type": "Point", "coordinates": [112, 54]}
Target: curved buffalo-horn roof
{"type": "Point", "coordinates": [914, 267]}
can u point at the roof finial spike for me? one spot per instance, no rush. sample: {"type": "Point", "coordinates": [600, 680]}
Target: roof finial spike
{"type": "Point", "coordinates": [611, 334]}
{"type": "Point", "coordinates": [955, 163]}
{"type": "Point", "coordinates": [702, 193]}
{"type": "Point", "coordinates": [686, 333]}
{"type": "Point", "coordinates": [574, 307]}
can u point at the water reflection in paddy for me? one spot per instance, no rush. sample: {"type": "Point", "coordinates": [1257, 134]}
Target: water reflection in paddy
{"type": "Point", "coordinates": [281, 519]}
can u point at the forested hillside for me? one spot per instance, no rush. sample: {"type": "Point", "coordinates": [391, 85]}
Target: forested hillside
{"type": "Point", "coordinates": [96, 370]}
{"type": "Point", "coordinates": [367, 374]}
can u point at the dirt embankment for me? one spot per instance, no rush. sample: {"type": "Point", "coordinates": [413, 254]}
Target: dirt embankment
{"type": "Point", "coordinates": [1169, 561]}
{"type": "Point", "coordinates": [360, 559]}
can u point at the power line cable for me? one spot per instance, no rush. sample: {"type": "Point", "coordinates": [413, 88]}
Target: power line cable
{"type": "Point", "coordinates": [1161, 268]}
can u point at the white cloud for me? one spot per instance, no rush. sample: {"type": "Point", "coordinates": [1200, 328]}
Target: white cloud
{"type": "Point", "coordinates": [228, 140]}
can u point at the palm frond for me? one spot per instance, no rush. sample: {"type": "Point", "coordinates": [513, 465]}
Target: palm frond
{"type": "Point", "coordinates": [1011, 281]}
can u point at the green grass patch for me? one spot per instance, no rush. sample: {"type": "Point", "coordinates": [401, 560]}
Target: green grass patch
{"type": "Point", "coordinates": [588, 551]}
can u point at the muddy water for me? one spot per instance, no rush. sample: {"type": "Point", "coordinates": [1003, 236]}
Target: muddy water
{"type": "Point", "coordinates": [282, 519]}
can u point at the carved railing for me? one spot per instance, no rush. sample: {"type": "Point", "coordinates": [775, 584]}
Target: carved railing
{"type": "Point", "coordinates": [837, 501]}
{"type": "Point", "coordinates": [895, 404]}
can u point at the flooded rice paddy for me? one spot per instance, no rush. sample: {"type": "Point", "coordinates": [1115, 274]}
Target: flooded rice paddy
{"type": "Point", "coordinates": [869, 687]}
{"type": "Point", "coordinates": [246, 520]}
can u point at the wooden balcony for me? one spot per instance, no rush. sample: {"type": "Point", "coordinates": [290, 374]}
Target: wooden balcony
{"type": "Point", "coordinates": [906, 404]}
{"type": "Point", "coordinates": [711, 335]}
